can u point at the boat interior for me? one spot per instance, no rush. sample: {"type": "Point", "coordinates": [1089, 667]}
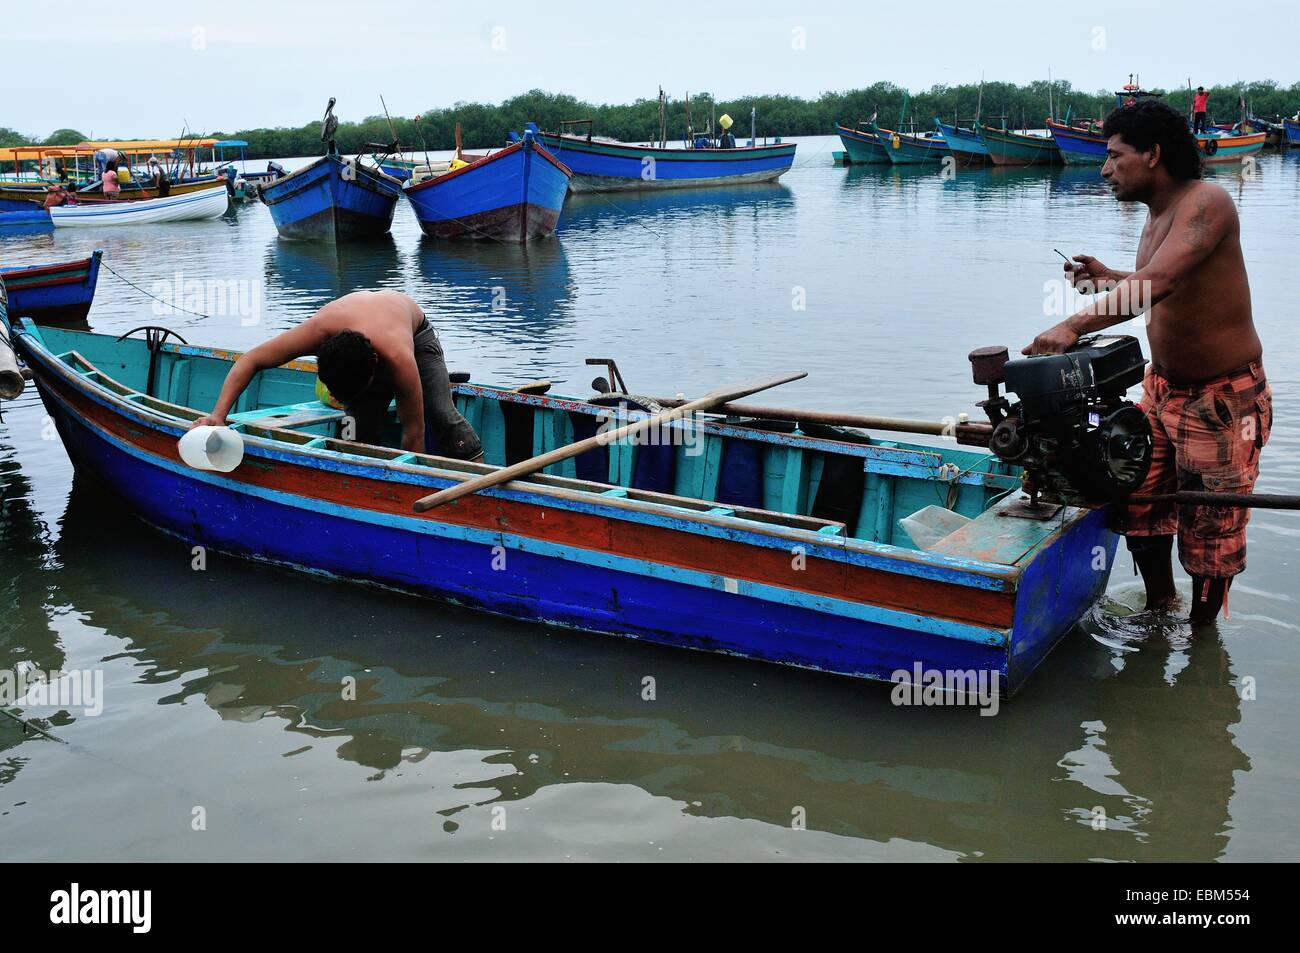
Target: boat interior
{"type": "Point", "coordinates": [830, 481]}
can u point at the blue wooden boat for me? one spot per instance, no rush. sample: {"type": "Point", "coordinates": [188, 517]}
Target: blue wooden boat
{"type": "Point", "coordinates": [604, 165]}
{"type": "Point", "coordinates": [1078, 144]}
{"type": "Point", "coordinates": [861, 144]}
{"type": "Point", "coordinates": [20, 215]}
{"type": "Point", "coordinates": [333, 199]}
{"type": "Point", "coordinates": [965, 144]}
{"type": "Point", "coordinates": [743, 537]}
{"type": "Point", "coordinates": [513, 195]}
{"type": "Point", "coordinates": [52, 294]}
{"type": "Point", "coordinates": [1291, 131]}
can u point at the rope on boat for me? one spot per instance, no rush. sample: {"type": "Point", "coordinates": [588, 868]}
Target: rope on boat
{"type": "Point", "coordinates": [174, 307]}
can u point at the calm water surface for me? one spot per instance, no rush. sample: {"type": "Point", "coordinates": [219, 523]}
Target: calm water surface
{"type": "Point", "coordinates": [222, 687]}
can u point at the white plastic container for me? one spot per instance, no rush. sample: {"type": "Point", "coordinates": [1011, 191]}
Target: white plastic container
{"type": "Point", "coordinates": [212, 448]}
{"type": "Point", "coordinates": [930, 524]}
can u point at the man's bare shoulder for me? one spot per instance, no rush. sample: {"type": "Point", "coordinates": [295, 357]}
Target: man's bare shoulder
{"type": "Point", "coordinates": [1208, 213]}
{"type": "Point", "coordinates": [1208, 197]}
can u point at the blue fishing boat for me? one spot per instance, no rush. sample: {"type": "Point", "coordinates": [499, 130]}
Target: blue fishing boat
{"type": "Point", "coordinates": [605, 165]}
{"type": "Point", "coordinates": [861, 145]}
{"type": "Point", "coordinates": [513, 195]}
{"type": "Point", "coordinates": [52, 294]}
{"type": "Point", "coordinates": [18, 215]}
{"type": "Point", "coordinates": [965, 144]}
{"type": "Point", "coordinates": [1291, 131]}
{"type": "Point", "coordinates": [1081, 144]}
{"type": "Point", "coordinates": [333, 199]}
{"type": "Point", "coordinates": [912, 148]}
{"type": "Point", "coordinates": [786, 544]}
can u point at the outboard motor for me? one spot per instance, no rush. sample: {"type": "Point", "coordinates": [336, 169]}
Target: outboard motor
{"type": "Point", "coordinates": [1072, 430]}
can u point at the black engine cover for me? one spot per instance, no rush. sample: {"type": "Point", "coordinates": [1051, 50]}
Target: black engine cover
{"type": "Point", "coordinates": [1095, 368]}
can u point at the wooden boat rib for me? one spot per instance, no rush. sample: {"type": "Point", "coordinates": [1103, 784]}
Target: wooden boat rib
{"type": "Point", "coordinates": [212, 202]}
{"type": "Point", "coordinates": [58, 293]}
{"type": "Point", "coordinates": [777, 546]}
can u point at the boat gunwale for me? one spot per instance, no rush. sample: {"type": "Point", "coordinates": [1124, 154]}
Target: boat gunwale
{"type": "Point", "coordinates": [381, 177]}
{"type": "Point", "coordinates": [559, 492]}
{"type": "Point", "coordinates": [482, 161]}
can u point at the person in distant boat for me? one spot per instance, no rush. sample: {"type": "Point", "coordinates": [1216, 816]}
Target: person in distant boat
{"type": "Point", "coordinates": [105, 159]}
{"type": "Point", "coordinates": [111, 187]}
{"type": "Point", "coordinates": [1200, 105]}
{"type": "Point", "coordinates": [370, 347]}
{"type": "Point", "coordinates": [56, 195]}
{"type": "Point", "coordinates": [158, 178]}
{"type": "Point", "coordinates": [1205, 393]}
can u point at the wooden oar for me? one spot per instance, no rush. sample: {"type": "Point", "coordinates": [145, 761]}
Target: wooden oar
{"type": "Point", "coordinates": [532, 465]}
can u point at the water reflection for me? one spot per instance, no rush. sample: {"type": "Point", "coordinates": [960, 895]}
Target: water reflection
{"type": "Point", "coordinates": [302, 277]}
{"type": "Point", "coordinates": [584, 213]}
{"type": "Point", "coordinates": [1141, 731]}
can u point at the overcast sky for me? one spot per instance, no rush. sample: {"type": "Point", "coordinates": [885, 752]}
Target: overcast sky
{"type": "Point", "coordinates": [232, 64]}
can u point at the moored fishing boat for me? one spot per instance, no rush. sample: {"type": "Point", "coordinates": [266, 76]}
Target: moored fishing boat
{"type": "Point", "coordinates": [964, 144]}
{"type": "Point", "coordinates": [1225, 147]}
{"type": "Point", "coordinates": [861, 145]}
{"type": "Point", "coordinates": [212, 202]}
{"type": "Point", "coordinates": [1007, 147]}
{"type": "Point", "coordinates": [913, 148]}
{"type": "Point", "coordinates": [1079, 145]}
{"type": "Point", "coordinates": [333, 199]}
{"type": "Point", "coordinates": [50, 294]}
{"type": "Point", "coordinates": [1291, 131]}
{"type": "Point", "coordinates": [604, 165]}
{"type": "Point", "coordinates": [780, 544]}
{"type": "Point", "coordinates": [512, 195]}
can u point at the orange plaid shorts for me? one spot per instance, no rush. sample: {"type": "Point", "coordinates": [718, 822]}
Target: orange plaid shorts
{"type": "Point", "coordinates": [1208, 436]}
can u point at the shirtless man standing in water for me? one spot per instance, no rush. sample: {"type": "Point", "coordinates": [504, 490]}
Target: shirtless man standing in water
{"type": "Point", "coordinates": [370, 347]}
{"type": "Point", "coordinates": [1205, 393]}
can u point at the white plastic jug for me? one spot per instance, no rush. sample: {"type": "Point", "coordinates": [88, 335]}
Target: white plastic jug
{"type": "Point", "coordinates": [212, 448]}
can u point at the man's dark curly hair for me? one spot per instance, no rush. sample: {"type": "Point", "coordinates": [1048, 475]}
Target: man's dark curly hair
{"type": "Point", "coordinates": [345, 363]}
{"type": "Point", "coordinates": [1149, 122]}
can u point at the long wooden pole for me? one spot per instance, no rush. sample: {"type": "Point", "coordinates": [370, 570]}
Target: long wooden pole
{"type": "Point", "coordinates": [532, 465]}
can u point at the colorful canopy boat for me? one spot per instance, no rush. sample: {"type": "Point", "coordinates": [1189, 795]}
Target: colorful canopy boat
{"type": "Point", "coordinates": [333, 199]}
{"type": "Point", "coordinates": [604, 165]}
{"type": "Point", "coordinates": [861, 144]}
{"type": "Point", "coordinates": [1018, 148]}
{"type": "Point", "coordinates": [212, 202]}
{"type": "Point", "coordinates": [53, 294]}
{"type": "Point", "coordinates": [770, 541]}
{"type": "Point", "coordinates": [513, 195]}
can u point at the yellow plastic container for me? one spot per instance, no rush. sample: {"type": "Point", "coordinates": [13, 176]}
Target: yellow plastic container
{"type": "Point", "coordinates": [725, 121]}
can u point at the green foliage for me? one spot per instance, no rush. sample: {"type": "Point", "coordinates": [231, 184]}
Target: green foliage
{"type": "Point", "coordinates": [485, 125]}
{"type": "Point", "coordinates": [64, 137]}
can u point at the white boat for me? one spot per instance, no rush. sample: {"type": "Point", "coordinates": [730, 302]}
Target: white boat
{"type": "Point", "coordinates": [208, 203]}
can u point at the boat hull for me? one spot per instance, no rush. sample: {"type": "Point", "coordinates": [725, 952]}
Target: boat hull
{"type": "Point", "coordinates": [37, 192]}
{"type": "Point", "coordinates": [53, 294]}
{"type": "Point", "coordinates": [589, 561]}
{"type": "Point", "coordinates": [1291, 132]}
{"type": "Point", "coordinates": [601, 166]}
{"type": "Point", "coordinates": [212, 202]}
{"type": "Point", "coordinates": [965, 145]}
{"type": "Point", "coordinates": [905, 149]}
{"type": "Point", "coordinates": [1077, 147]}
{"type": "Point", "coordinates": [862, 148]}
{"type": "Point", "coordinates": [1217, 150]}
{"type": "Point", "coordinates": [332, 200]}
{"type": "Point", "coordinates": [1013, 148]}
{"type": "Point", "coordinates": [514, 195]}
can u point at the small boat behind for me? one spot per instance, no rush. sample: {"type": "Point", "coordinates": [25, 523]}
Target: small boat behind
{"type": "Point", "coordinates": [861, 145]}
{"type": "Point", "coordinates": [212, 202]}
{"type": "Point", "coordinates": [53, 294]}
{"type": "Point", "coordinates": [1019, 148]}
{"type": "Point", "coordinates": [1079, 144]}
{"type": "Point", "coordinates": [1219, 147]}
{"type": "Point", "coordinates": [1291, 131]}
{"type": "Point", "coordinates": [333, 199]}
{"type": "Point", "coordinates": [512, 195]}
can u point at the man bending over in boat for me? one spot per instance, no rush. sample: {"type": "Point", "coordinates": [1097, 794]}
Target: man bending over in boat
{"type": "Point", "coordinates": [370, 347]}
{"type": "Point", "coordinates": [1205, 393]}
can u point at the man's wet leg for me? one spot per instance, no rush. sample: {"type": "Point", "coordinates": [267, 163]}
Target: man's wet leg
{"type": "Point", "coordinates": [1154, 558]}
